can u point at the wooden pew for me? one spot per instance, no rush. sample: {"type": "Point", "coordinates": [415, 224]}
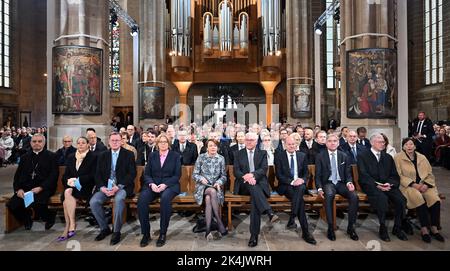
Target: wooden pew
{"type": "Point", "coordinates": [275, 200]}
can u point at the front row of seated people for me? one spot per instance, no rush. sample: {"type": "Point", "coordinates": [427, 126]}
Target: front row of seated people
{"type": "Point", "coordinates": [406, 181]}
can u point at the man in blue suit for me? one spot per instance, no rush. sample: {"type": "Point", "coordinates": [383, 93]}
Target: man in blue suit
{"type": "Point", "coordinates": [333, 176]}
{"type": "Point", "coordinates": [161, 179]}
{"type": "Point", "coordinates": [351, 147]}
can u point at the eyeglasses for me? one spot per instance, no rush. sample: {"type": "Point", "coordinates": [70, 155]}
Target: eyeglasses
{"type": "Point", "coordinates": [116, 140]}
{"type": "Point", "coordinates": [37, 141]}
{"type": "Point", "coordinates": [65, 141]}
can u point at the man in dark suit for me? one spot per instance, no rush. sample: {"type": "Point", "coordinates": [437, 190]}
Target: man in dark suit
{"type": "Point", "coordinates": [187, 150]}
{"type": "Point", "coordinates": [344, 135]}
{"type": "Point", "coordinates": [283, 136]}
{"type": "Point", "coordinates": [380, 181]}
{"type": "Point", "coordinates": [65, 151]}
{"type": "Point", "coordinates": [334, 176]}
{"type": "Point", "coordinates": [362, 140]}
{"type": "Point", "coordinates": [291, 169]}
{"type": "Point", "coordinates": [161, 179]}
{"type": "Point", "coordinates": [351, 148]}
{"type": "Point", "coordinates": [132, 135]}
{"type": "Point", "coordinates": [309, 146]}
{"type": "Point", "coordinates": [37, 173]}
{"type": "Point", "coordinates": [95, 145]}
{"type": "Point", "coordinates": [116, 170]}
{"type": "Point", "coordinates": [240, 138]}
{"type": "Point", "coordinates": [146, 147]}
{"type": "Point", "coordinates": [423, 132]}
{"type": "Point", "coordinates": [250, 170]}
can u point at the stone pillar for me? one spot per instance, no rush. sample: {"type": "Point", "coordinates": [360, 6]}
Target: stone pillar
{"type": "Point", "coordinates": [299, 52]}
{"type": "Point", "coordinates": [83, 23]}
{"type": "Point", "coordinates": [359, 18]}
{"type": "Point", "coordinates": [152, 64]}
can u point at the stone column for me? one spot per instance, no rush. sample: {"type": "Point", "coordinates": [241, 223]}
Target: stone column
{"type": "Point", "coordinates": [152, 60]}
{"type": "Point", "coordinates": [83, 23]}
{"type": "Point", "coordinates": [299, 51]}
{"type": "Point", "coordinates": [359, 18]}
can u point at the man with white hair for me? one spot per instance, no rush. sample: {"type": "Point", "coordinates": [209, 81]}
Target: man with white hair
{"type": "Point", "coordinates": [6, 144]}
{"type": "Point", "coordinates": [65, 150]}
{"type": "Point", "coordinates": [380, 181]}
{"type": "Point", "coordinates": [250, 170]}
{"type": "Point", "coordinates": [187, 150]}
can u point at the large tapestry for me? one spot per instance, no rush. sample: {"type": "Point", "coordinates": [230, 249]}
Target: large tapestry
{"type": "Point", "coordinates": [77, 80]}
{"type": "Point", "coordinates": [372, 83]}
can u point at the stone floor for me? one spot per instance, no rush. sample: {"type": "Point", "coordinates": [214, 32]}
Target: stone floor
{"type": "Point", "coordinates": [181, 238]}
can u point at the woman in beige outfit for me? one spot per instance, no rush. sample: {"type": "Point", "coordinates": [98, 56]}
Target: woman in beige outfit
{"type": "Point", "coordinates": [418, 185]}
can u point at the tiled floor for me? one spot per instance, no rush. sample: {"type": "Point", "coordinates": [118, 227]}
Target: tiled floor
{"type": "Point", "coordinates": [181, 238]}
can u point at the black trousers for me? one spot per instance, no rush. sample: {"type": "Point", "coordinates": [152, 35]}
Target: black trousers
{"type": "Point", "coordinates": [379, 200]}
{"type": "Point", "coordinates": [40, 205]}
{"type": "Point", "coordinates": [259, 205]}
{"type": "Point", "coordinates": [295, 194]}
{"type": "Point", "coordinates": [426, 213]}
{"type": "Point", "coordinates": [145, 198]}
{"type": "Point", "coordinates": [330, 190]}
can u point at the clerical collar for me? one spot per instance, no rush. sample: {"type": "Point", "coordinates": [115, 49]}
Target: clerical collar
{"type": "Point", "coordinates": [37, 153]}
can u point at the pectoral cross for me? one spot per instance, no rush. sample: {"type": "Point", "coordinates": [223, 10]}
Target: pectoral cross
{"type": "Point", "coordinates": [33, 174]}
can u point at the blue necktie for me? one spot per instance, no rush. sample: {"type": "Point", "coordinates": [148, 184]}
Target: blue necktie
{"type": "Point", "coordinates": [333, 168]}
{"type": "Point", "coordinates": [113, 165]}
{"type": "Point", "coordinates": [292, 166]}
{"type": "Point", "coordinates": [354, 153]}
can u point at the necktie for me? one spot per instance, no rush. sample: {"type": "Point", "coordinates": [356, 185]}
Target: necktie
{"type": "Point", "coordinates": [92, 148]}
{"type": "Point", "coordinates": [251, 163]}
{"type": "Point", "coordinates": [292, 166]}
{"type": "Point", "coordinates": [333, 168]}
{"type": "Point", "coordinates": [354, 152]}
{"type": "Point", "coordinates": [113, 166]}
{"type": "Point", "coordinates": [182, 147]}
{"type": "Point", "coordinates": [419, 127]}
{"type": "Point", "coordinates": [378, 156]}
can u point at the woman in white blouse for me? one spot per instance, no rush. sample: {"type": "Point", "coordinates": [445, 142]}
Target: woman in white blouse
{"type": "Point", "coordinates": [389, 149]}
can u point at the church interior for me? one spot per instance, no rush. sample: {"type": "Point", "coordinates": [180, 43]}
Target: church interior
{"type": "Point", "coordinates": [202, 66]}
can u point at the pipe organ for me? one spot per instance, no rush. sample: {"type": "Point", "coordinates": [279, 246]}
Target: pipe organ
{"type": "Point", "coordinates": [226, 30]}
{"type": "Point", "coordinates": [180, 21]}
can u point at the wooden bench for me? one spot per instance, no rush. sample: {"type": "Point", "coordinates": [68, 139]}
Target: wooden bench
{"type": "Point", "coordinates": [275, 200]}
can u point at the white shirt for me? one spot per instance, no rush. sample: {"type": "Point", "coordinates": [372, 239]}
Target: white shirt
{"type": "Point", "coordinates": [309, 143]}
{"type": "Point", "coordinates": [376, 153]}
{"type": "Point", "coordinates": [295, 165]}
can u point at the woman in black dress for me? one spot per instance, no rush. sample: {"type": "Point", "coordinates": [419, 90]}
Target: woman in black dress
{"type": "Point", "coordinates": [78, 182]}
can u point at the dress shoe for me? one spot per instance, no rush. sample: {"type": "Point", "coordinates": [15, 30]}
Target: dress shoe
{"type": "Point", "coordinates": [115, 238]}
{"type": "Point", "coordinates": [426, 238]}
{"type": "Point", "coordinates": [273, 218]}
{"type": "Point", "coordinates": [384, 234]}
{"type": "Point", "coordinates": [28, 224]}
{"type": "Point", "coordinates": [222, 234]}
{"type": "Point", "coordinates": [438, 237]}
{"type": "Point", "coordinates": [352, 234]}
{"type": "Point", "coordinates": [400, 234]}
{"type": "Point", "coordinates": [51, 220]}
{"type": "Point", "coordinates": [291, 225]}
{"type": "Point", "coordinates": [331, 235]}
{"type": "Point", "coordinates": [161, 240]}
{"type": "Point", "coordinates": [309, 238]}
{"type": "Point", "coordinates": [102, 235]}
{"type": "Point", "coordinates": [145, 240]}
{"type": "Point", "coordinates": [253, 242]}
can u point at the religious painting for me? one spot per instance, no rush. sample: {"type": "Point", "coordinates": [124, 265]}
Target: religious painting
{"type": "Point", "coordinates": [372, 84]}
{"type": "Point", "coordinates": [151, 103]}
{"type": "Point", "coordinates": [77, 80]}
{"type": "Point", "coordinates": [25, 119]}
{"type": "Point", "coordinates": [301, 97]}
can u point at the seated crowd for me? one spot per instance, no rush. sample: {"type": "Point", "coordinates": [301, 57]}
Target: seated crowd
{"type": "Point", "coordinates": [97, 172]}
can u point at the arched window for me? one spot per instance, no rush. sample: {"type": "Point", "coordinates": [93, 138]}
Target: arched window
{"type": "Point", "coordinates": [114, 54]}
{"type": "Point", "coordinates": [333, 29]}
{"type": "Point", "coordinates": [5, 46]}
{"type": "Point", "coordinates": [434, 44]}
